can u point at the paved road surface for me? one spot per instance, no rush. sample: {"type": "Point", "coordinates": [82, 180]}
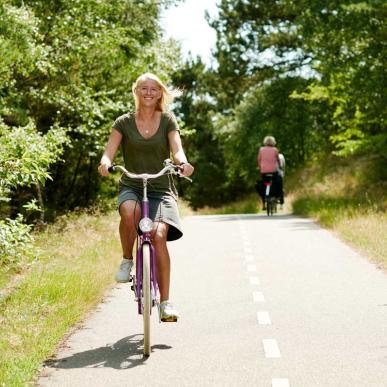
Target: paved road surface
{"type": "Point", "coordinates": [264, 302]}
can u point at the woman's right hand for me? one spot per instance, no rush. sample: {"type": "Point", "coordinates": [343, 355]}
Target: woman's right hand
{"type": "Point", "coordinates": [103, 168]}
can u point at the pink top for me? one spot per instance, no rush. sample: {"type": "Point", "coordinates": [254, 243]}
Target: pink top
{"type": "Point", "coordinates": [268, 159]}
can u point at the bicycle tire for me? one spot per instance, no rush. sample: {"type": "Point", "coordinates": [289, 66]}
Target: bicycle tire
{"type": "Point", "coordinates": [146, 297]}
{"type": "Point", "coordinates": [268, 206]}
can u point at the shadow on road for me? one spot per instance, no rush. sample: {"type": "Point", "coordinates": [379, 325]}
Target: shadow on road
{"type": "Point", "coordinates": [125, 353]}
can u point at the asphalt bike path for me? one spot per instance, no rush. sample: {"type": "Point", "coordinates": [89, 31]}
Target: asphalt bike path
{"type": "Point", "coordinates": [264, 302]}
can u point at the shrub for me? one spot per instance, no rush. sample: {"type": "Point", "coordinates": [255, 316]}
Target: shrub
{"type": "Point", "coordinates": [16, 242]}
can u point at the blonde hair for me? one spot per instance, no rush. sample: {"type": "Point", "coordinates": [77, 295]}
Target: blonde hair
{"type": "Point", "coordinates": [269, 141]}
{"type": "Point", "coordinates": [167, 94]}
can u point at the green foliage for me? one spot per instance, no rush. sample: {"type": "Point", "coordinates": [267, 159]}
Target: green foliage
{"type": "Point", "coordinates": [25, 158]}
{"type": "Point", "coordinates": [16, 242]}
{"type": "Point", "coordinates": [309, 73]}
{"type": "Point", "coordinates": [203, 149]}
{"type": "Point", "coordinates": [347, 39]}
{"type": "Point", "coordinates": [65, 74]}
{"type": "Point", "coordinates": [26, 155]}
{"type": "Point", "coordinates": [264, 111]}
{"type": "Point", "coordinates": [70, 65]}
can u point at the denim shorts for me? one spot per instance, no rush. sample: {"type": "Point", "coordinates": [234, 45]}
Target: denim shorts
{"type": "Point", "coordinates": [162, 208]}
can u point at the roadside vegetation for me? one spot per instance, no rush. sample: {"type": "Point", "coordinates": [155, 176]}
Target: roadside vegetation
{"type": "Point", "coordinates": [77, 259]}
{"type": "Point", "coordinates": [41, 300]}
{"type": "Point", "coordinates": [349, 197]}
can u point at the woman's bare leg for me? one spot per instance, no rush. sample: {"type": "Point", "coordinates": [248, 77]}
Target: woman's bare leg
{"type": "Point", "coordinates": [130, 216]}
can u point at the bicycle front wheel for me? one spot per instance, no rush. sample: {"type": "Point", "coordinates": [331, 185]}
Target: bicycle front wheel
{"type": "Point", "coordinates": [146, 296]}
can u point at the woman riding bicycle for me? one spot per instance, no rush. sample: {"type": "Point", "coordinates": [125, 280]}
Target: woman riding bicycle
{"type": "Point", "coordinates": [268, 161]}
{"type": "Point", "coordinates": [148, 137]}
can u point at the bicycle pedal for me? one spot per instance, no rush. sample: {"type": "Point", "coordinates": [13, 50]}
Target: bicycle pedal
{"type": "Point", "coordinates": [170, 319]}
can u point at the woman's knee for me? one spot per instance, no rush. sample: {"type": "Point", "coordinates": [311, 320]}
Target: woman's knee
{"type": "Point", "coordinates": [160, 233]}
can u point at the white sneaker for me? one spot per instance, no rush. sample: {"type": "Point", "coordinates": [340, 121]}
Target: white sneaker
{"type": "Point", "coordinates": [168, 312]}
{"type": "Point", "coordinates": [123, 274]}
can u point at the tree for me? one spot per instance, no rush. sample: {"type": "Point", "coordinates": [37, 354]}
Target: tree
{"type": "Point", "coordinates": [70, 64]}
{"type": "Point", "coordinates": [196, 110]}
{"type": "Point", "coordinates": [341, 44]}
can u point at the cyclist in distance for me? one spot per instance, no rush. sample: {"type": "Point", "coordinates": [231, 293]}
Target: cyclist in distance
{"type": "Point", "coordinates": [268, 161]}
{"type": "Point", "coordinates": [147, 137]}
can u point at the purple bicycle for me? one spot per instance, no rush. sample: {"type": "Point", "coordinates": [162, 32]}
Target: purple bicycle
{"type": "Point", "coordinates": [145, 285]}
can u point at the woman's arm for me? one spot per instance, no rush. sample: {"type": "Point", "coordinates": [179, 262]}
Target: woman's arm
{"type": "Point", "coordinates": [259, 158]}
{"type": "Point", "coordinates": [178, 154]}
{"type": "Point", "coordinates": [110, 152]}
{"type": "Point", "coordinates": [277, 157]}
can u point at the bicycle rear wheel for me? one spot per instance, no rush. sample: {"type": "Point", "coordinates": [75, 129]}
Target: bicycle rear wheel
{"type": "Point", "coordinates": [146, 296]}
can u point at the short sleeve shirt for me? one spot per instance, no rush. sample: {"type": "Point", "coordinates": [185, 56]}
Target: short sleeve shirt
{"type": "Point", "coordinates": [268, 159]}
{"type": "Point", "coordinates": [146, 155]}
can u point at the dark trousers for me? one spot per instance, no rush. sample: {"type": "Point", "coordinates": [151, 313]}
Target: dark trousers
{"type": "Point", "coordinates": [276, 189]}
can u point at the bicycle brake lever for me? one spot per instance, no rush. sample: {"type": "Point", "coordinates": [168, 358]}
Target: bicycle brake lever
{"type": "Point", "coordinates": [188, 178]}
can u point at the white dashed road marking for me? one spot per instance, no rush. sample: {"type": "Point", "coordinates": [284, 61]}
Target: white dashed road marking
{"type": "Point", "coordinates": [258, 297]}
{"type": "Point", "coordinates": [271, 349]}
{"type": "Point", "coordinates": [254, 280]}
{"type": "Point", "coordinates": [263, 318]}
{"type": "Point", "coordinates": [270, 346]}
{"type": "Point", "coordinates": [280, 382]}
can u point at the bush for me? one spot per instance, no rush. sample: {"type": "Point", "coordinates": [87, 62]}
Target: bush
{"type": "Point", "coordinates": [16, 242]}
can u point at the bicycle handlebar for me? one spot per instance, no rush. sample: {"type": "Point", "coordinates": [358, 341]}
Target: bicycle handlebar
{"type": "Point", "coordinates": [169, 167]}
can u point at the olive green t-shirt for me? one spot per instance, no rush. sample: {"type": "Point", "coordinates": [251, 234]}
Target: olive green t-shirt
{"type": "Point", "coordinates": [143, 155]}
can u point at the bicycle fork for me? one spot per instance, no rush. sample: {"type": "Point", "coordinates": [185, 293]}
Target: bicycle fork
{"type": "Point", "coordinates": [137, 283]}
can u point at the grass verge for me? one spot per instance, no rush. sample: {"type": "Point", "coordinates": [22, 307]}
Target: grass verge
{"type": "Point", "coordinates": [247, 205]}
{"type": "Point", "coordinates": [78, 257]}
{"type": "Point", "coordinates": [349, 197]}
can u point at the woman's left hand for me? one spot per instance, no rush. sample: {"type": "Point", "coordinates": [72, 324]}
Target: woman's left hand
{"type": "Point", "coordinates": [186, 169]}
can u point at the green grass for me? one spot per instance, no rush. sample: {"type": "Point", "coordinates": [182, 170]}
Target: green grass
{"type": "Point", "coordinates": [247, 205]}
{"type": "Point", "coordinates": [41, 302]}
{"type": "Point", "coordinates": [367, 233]}
{"type": "Point", "coordinates": [349, 197]}
{"type": "Point", "coordinates": [329, 210]}
{"type": "Point", "coordinates": [79, 256]}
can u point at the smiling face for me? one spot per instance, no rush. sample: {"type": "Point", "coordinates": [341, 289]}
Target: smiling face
{"type": "Point", "coordinates": [148, 93]}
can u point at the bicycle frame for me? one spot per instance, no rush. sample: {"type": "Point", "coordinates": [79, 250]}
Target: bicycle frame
{"type": "Point", "coordinates": [145, 237]}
